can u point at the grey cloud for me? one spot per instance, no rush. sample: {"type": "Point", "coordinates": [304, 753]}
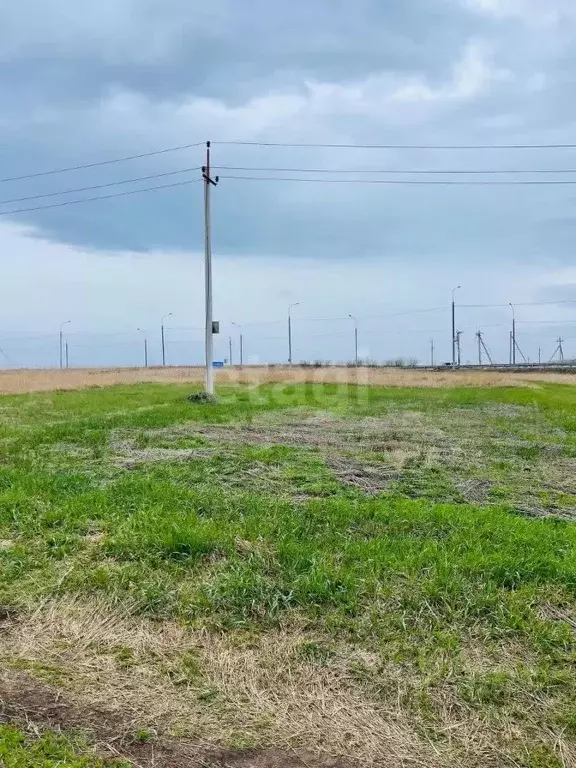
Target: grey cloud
{"type": "Point", "coordinates": [76, 51]}
{"type": "Point", "coordinates": [86, 82]}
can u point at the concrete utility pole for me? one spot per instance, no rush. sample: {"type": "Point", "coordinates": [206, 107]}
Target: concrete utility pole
{"type": "Point", "coordinates": [539, 356]}
{"type": "Point", "coordinates": [513, 354]}
{"type": "Point", "coordinates": [61, 339]}
{"type": "Point", "coordinates": [163, 339]}
{"type": "Point", "coordinates": [558, 351]}
{"type": "Point", "coordinates": [355, 339]}
{"type": "Point", "coordinates": [483, 347]}
{"type": "Point", "coordinates": [297, 304]}
{"type": "Point", "coordinates": [209, 343]}
{"type": "Point", "coordinates": [432, 352]}
{"type": "Point", "coordinates": [230, 350]}
{"type": "Point", "coordinates": [454, 324]}
{"type": "Point", "coordinates": [67, 357]}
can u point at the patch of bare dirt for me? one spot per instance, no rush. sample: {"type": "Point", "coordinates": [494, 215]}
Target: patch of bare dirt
{"type": "Point", "coordinates": [38, 707]}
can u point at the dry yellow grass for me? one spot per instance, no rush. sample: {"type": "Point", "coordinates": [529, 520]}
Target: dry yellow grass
{"type": "Point", "coordinates": [221, 689]}
{"type": "Point", "coordinates": [47, 380]}
{"type": "Point", "coordinates": [213, 689]}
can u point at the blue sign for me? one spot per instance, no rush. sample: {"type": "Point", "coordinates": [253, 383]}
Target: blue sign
{"type": "Point", "coordinates": [217, 364]}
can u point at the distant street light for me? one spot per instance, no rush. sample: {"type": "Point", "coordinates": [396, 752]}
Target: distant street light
{"type": "Point", "coordinates": [163, 339]}
{"type": "Point", "coordinates": [355, 339]}
{"type": "Point", "coordinates": [141, 330]}
{"type": "Point", "coordinates": [61, 338]}
{"type": "Point", "coordinates": [513, 337]}
{"type": "Point", "coordinates": [454, 341]}
{"type": "Point", "coordinates": [297, 304]}
{"type": "Point", "coordinates": [241, 339]}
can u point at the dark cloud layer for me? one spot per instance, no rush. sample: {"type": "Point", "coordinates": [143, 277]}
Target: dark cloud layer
{"type": "Point", "coordinates": [77, 51]}
{"type": "Point", "coordinates": [83, 82]}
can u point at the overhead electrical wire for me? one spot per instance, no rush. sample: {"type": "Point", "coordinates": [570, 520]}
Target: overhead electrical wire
{"type": "Point", "coordinates": [516, 304]}
{"type": "Point", "coordinates": [402, 182]}
{"type": "Point", "coordinates": [545, 322]}
{"type": "Point", "coordinates": [100, 186]}
{"type": "Point", "coordinates": [311, 145]}
{"type": "Point", "coordinates": [100, 163]}
{"type": "Point", "coordinates": [347, 318]}
{"type": "Point", "coordinates": [246, 178]}
{"type": "Point", "coordinates": [99, 197]}
{"type": "Point", "coordinates": [404, 171]}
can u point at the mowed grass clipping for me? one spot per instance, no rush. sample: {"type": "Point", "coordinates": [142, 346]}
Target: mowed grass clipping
{"type": "Point", "coordinates": [344, 514]}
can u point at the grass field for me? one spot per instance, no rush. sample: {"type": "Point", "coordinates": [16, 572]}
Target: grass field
{"type": "Point", "coordinates": [299, 575]}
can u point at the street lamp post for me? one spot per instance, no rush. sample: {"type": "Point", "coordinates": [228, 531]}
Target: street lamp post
{"type": "Point", "coordinates": [241, 341]}
{"type": "Point", "coordinates": [163, 338]}
{"type": "Point", "coordinates": [513, 337]}
{"type": "Point", "coordinates": [141, 330]}
{"type": "Point", "coordinates": [297, 304]}
{"type": "Point", "coordinates": [454, 324]}
{"type": "Point", "coordinates": [61, 339]}
{"type": "Point", "coordinates": [355, 339]}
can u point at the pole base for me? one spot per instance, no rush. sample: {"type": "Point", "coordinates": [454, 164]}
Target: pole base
{"type": "Point", "coordinates": [201, 397]}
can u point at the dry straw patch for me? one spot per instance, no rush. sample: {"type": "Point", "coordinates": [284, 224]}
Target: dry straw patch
{"type": "Point", "coordinates": [260, 692]}
{"type": "Point", "coordinates": [78, 378]}
{"type": "Point", "coordinates": [204, 691]}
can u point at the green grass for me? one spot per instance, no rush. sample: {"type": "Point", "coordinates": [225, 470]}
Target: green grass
{"type": "Point", "coordinates": [17, 750]}
{"type": "Point", "coordinates": [252, 527]}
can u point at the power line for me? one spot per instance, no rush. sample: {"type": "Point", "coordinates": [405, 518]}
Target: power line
{"type": "Point", "coordinates": [335, 319]}
{"type": "Point", "coordinates": [460, 171]}
{"type": "Point", "coordinates": [492, 325]}
{"type": "Point", "coordinates": [182, 147]}
{"type": "Point", "coordinates": [99, 197]}
{"type": "Point", "coordinates": [403, 182]}
{"type": "Point", "coordinates": [100, 163]}
{"type": "Point", "coordinates": [100, 186]}
{"type": "Point", "coordinates": [517, 304]}
{"type": "Point", "coordinates": [360, 317]}
{"type": "Point", "coordinates": [546, 322]}
{"type": "Point", "coordinates": [347, 318]}
{"type": "Point", "coordinates": [392, 146]}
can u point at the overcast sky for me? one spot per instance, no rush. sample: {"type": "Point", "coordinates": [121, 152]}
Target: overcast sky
{"type": "Point", "coordinates": [85, 82]}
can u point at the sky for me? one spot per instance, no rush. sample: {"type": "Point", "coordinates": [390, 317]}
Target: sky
{"type": "Point", "coordinates": [84, 83]}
